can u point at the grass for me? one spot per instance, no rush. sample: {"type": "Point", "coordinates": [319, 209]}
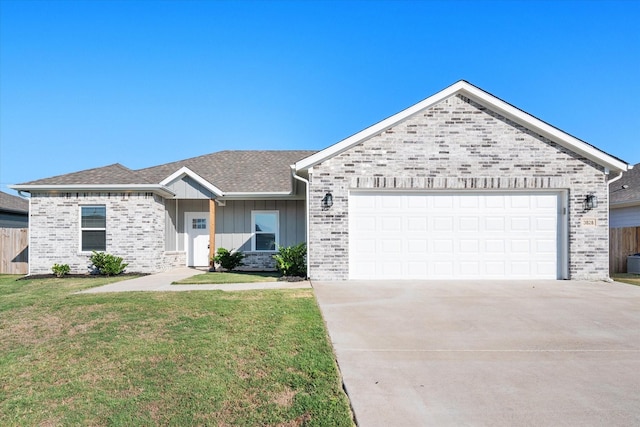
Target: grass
{"type": "Point", "coordinates": [633, 279]}
{"type": "Point", "coordinates": [223, 278]}
{"type": "Point", "coordinates": [185, 358]}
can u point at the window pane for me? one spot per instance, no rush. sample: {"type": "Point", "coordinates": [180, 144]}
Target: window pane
{"type": "Point", "coordinates": [266, 242]}
{"type": "Point", "coordinates": [266, 222]}
{"type": "Point", "coordinates": [199, 223]}
{"type": "Point", "coordinates": [94, 217]}
{"type": "Point", "coordinates": [94, 241]}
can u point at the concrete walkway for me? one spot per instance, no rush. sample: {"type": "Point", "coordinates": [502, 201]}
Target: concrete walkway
{"type": "Point", "coordinates": [163, 282]}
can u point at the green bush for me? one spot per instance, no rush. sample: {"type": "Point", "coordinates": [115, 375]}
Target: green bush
{"type": "Point", "coordinates": [60, 270]}
{"type": "Point", "coordinates": [227, 259]}
{"type": "Point", "coordinates": [291, 261]}
{"type": "Point", "coordinates": [107, 264]}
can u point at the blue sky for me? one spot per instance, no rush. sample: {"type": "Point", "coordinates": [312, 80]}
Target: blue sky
{"type": "Point", "coordinates": [85, 84]}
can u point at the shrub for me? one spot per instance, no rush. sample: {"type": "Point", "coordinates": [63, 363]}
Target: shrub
{"type": "Point", "coordinates": [60, 270]}
{"type": "Point", "coordinates": [291, 261]}
{"type": "Point", "coordinates": [227, 259]}
{"type": "Point", "coordinates": [107, 264]}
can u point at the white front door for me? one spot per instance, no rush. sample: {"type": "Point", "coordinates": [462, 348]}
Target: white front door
{"type": "Point", "coordinates": [197, 238]}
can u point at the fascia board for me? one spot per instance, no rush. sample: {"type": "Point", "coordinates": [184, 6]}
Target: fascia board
{"type": "Point", "coordinates": [486, 99]}
{"type": "Point", "coordinates": [188, 172]}
{"type": "Point", "coordinates": [153, 188]}
{"type": "Point", "coordinates": [259, 196]}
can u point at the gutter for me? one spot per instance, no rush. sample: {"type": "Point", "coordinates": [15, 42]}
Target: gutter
{"type": "Point", "coordinates": [128, 188]}
{"type": "Point", "coordinates": [306, 216]}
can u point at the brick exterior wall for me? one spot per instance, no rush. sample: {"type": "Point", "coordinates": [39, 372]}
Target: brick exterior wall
{"type": "Point", "coordinates": [457, 145]}
{"type": "Point", "coordinates": [135, 231]}
{"type": "Point", "coordinates": [258, 261]}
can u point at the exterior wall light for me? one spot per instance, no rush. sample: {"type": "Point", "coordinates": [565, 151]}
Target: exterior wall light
{"type": "Point", "coordinates": [327, 201]}
{"type": "Point", "coordinates": [590, 202]}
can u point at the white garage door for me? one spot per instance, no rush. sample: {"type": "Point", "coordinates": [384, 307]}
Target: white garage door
{"type": "Point", "coordinates": [453, 235]}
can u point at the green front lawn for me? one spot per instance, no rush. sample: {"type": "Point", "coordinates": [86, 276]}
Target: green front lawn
{"type": "Point", "coordinates": [223, 278]}
{"type": "Point", "coordinates": [174, 358]}
{"type": "Point", "coordinates": [633, 279]}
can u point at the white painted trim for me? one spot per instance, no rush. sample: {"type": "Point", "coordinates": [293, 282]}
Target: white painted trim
{"type": "Point", "coordinates": [562, 232]}
{"type": "Point", "coordinates": [253, 229]}
{"type": "Point", "coordinates": [306, 212]}
{"type": "Point", "coordinates": [29, 237]}
{"type": "Point", "coordinates": [185, 171]}
{"type": "Point", "coordinates": [80, 229]}
{"type": "Point", "coordinates": [128, 188]}
{"type": "Point", "coordinates": [484, 98]}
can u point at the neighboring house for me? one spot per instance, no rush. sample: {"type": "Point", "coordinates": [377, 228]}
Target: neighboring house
{"type": "Point", "coordinates": [624, 202]}
{"type": "Point", "coordinates": [14, 211]}
{"type": "Point", "coordinates": [461, 185]}
{"type": "Point", "coordinates": [14, 236]}
{"type": "Point", "coordinates": [624, 219]}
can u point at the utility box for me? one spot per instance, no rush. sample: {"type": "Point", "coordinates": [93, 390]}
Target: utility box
{"type": "Point", "coordinates": [633, 264]}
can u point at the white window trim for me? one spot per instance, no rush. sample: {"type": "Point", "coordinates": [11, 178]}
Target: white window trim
{"type": "Point", "coordinates": [81, 229]}
{"type": "Point", "coordinates": [253, 230]}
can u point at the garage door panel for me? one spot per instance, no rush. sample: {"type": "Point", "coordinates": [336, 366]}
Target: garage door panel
{"type": "Point", "coordinates": [447, 235]}
{"type": "Point", "coordinates": [494, 246]}
{"type": "Point", "coordinates": [417, 224]}
{"type": "Point", "coordinates": [494, 224]}
{"type": "Point", "coordinates": [390, 223]}
{"type": "Point", "coordinates": [442, 224]}
{"type": "Point", "coordinates": [468, 224]}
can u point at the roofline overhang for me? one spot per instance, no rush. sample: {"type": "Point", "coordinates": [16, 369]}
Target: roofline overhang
{"type": "Point", "coordinates": [259, 196]}
{"type": "Point", "coordinates": [629, 204]}
{"type": "Point", "coordinates": [486, 99]}
{"type": "Point", "coordinates": [126, 188]}
{"type": "Point", "coordinates": [14, 211]}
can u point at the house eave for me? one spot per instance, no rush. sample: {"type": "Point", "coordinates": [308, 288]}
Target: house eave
{"type": "Point", "coordinates": [484, 98]}
{"type": "Point", "coordinates": [282, 195]}
{"type": "Point", "coordinates": [624, 204]}
{"type": "Point", "coordinates": [117, 188]}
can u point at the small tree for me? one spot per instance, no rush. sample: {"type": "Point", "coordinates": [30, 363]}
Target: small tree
{"type": "Point", "coordinates": [291, 261]}
{"type": "Point", "coordinates": [227, 259]}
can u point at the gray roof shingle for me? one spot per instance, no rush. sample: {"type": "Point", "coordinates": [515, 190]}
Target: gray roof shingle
{"type": "Point", "coordinates": [231, 171]}
{"type": "Point", "coordinates": [618, 195]}
{"type": "Point", "coordinates": [13, 203]}
{"type": "Point", "coordinates": [112, 174]}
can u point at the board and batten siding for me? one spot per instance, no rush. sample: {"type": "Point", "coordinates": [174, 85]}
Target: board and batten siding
{"type": "Point", "coordinates": [233, 222]}
{"type": "Point", "coordinates": [174, 236]}
{"type": "Point", "coordinates": [188, 188]}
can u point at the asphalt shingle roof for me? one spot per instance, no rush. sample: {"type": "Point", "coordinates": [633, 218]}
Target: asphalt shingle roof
{"type": "Point", "coordinates": [13, 203]}
{"type": "Point", "coordinates": [112, 174]}
{"type": "Point", "coordinates": [631, 194]}
{"type": "Point", "coordinates": [230, 171]}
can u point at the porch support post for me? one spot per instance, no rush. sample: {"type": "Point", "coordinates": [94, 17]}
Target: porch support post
{"type": "Point", "coordinates": [212, 228]}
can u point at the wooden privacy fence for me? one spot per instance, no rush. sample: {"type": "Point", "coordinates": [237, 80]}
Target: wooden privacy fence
{"type": "Point", "coordinates": [14, 250]}
{"type": "Point", "coordinates": [622, 243]}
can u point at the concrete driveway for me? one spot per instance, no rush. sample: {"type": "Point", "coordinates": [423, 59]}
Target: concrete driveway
{"type": "Point", "coordinates": [543, 353]}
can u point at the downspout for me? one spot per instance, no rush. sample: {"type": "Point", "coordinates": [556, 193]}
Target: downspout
{"type": "Point", "coordinates": [306, 213]}
{"type": "Point", "coordinates": [611, 181]}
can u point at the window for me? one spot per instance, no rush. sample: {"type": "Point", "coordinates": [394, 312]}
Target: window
{"type": "Point", "coordinates": [93, 228]}
{"type": "Point", "coordinates": [199, 223]}
{"type": "Point", "coordinates": [265, 228]}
